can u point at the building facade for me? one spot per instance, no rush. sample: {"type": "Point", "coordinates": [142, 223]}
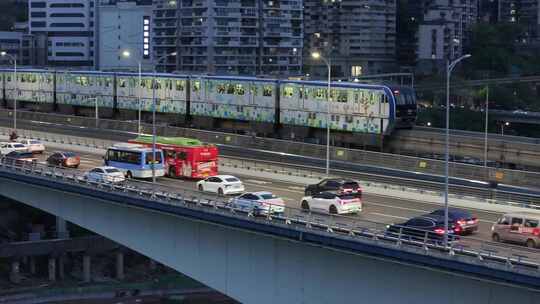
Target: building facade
{"type": "Point", "coordinates": [444, 31]}
{"type": "Point", "coordinates": [69, 26]}
{"type": "Point", "coordinates": [523, 12]}
{"type": "Point", "coordinates": [124, 35]}
{"type": "Point", "coordinates": [240, 37]}
{"type": "Point", "coordinates": [164, 34]}
{"type": "Point", "coordinates": [357, 36]}
{"type": "Point", "coordinates": [29, 50]}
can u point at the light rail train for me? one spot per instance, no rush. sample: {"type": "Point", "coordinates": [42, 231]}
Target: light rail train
{"type": "Point", "coordinates": [360, 114]}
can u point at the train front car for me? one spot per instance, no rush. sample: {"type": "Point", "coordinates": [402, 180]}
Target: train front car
{"type": "Point", "coordinates": [360, 115]}
{"type": "Point", "coordinates": [233, 103]}
{"type": "Point", "coordinates": [406, 112]}
{"type": "Point", "coordinates": [80, 92]}
{"type": "Point", "coordinates": [171, 96]}
{"type": "Point", "coordinates": [34, 89]}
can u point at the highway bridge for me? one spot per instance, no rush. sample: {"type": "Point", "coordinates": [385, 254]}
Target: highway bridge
{"type": "Point", "coordinates": [233, 257]}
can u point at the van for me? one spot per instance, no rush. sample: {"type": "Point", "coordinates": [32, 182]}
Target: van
{"type": "Point", "coordinates": [520, 228]}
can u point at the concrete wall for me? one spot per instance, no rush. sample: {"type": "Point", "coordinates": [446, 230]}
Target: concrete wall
{"type": "Point", "coordinates": [254, 268]}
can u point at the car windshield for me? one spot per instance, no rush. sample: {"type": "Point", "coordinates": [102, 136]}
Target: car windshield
{"type": "Point", "coordinates": [349, 185]}
{"type": "Point", "coordinates": [70, 154]}
{"type": "Point", "coordinates": [26, 155]}
{"type": "Point", "coordinates": [18, 146]}
{"type": "Point", "coordinates": [111, 170]}
{"type": "Point", "coordinates": [232, 179]}
{"type": "Point", "coordinates": [268, 196]}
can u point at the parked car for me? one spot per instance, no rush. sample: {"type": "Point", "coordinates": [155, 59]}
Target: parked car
{"type": "Point", "coordinates": [34, 146]}
{"type": "Point", "coordinates": [520, 228]}
{"type": "Point", "coordinates": [221, 184]}
{"type": "Point", "coordinates": [339, 185]}
{"type": "Point", "coordinates": [418, 228]}
{"type": "Point", "coordinates": [64, 159]}
{"type": "Point", "coordinates": [332, 203]}
{"type": "Point", "coordinates": [6, 147]}
{"type": "Point", "coordinates": [19, 158]}
{"type": "Point", "coordinates": [105, 175]}
{"type": "Point", "coordinates": [259, 202]}
{"type": "Point", "coordinates": [463, 220]}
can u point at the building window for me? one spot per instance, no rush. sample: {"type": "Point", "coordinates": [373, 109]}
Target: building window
{"type": "Point", "coordinates": [356, 70]}
{"type": "Point", "coordinates": [38, 5]}
{"type": "Point", "coordinates": [38, 24]}
{"type": "Point", "coordinates": [38, 15]}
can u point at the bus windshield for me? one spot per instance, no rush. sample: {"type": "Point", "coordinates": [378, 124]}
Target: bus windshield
{"type": "Point", "coordinates": [149, 158]}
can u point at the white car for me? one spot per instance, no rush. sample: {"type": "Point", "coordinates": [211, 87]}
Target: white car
{"type": "Point", "coordinates": [105, 175]}
{"type": "Point", "coordinates": [221, 184]}
{"type": "Point", "coordinates": [6, 147]}
{"type": "Point", "coordinates": [332, 203]}
{"type": "Point", "coordinates": [34, 146]}
{"type": "Point", "coordinates": [259, 202]}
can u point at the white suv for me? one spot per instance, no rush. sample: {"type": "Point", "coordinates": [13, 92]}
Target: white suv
{"type": "Point", "coordinates": [332, 203]}
{"type": "Point", "coordinates": [7, 147]}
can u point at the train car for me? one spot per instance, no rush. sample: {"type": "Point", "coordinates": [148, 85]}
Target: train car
{"type": "Point", "coordinates": [358, 112]}
{"type": "Point", "coordinates": [77, 91]}
{"type": "Point", "coordinates": [171, 95]}
{"type": "Point", "coordinates": [405, 116]}
{"type": "Point", "coordinates": [34, 89]}
{"type": "Point", "coordinates": [234, 103]}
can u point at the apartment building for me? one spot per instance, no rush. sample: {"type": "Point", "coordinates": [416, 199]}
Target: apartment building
{"type": "Point", "coordinates": [357, 36]}
{"type": "Point", "coordinates": [523, 12]}
{"type": "Point", "coordinates": [444, 31]}
{"type": "Point", "coordinates": [124, 35]}
{"type": "Point", "coordinates": [69, 26]}
{"type": "Point", "coordinates": [164, 34]}
{"type": "Point", "coordinates": [240, 37]}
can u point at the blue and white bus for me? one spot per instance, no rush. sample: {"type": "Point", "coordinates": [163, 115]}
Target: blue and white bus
{"type": "Point", "coordinates": [134, 160]}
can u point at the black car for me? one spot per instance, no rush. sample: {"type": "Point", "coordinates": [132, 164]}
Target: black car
{"type": "Point", "coordinates": [418, 228]}
{"type": "Point", "coordinates": [463, 220]}
{"type": "Point", "coordinates": [338, 185]}
{"type": "Point", "coordinates": [19, 158]}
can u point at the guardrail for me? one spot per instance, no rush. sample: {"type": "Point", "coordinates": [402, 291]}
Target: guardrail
{"type": "Point", "coordinates": [387, 160]}
{"type": "Point", "coordinates": [366, 179]}
{"type": "Point", "coordinates": [467, 249]}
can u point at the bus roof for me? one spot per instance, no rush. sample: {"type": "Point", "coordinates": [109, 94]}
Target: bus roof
{"type": "Point", "coordinates": [178, 141]}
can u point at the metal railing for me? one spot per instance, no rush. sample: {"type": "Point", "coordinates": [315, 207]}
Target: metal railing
{"type": "Point", "coordinates": [466, 249]}
{"type": "Point", "coordinates": [304, 171]}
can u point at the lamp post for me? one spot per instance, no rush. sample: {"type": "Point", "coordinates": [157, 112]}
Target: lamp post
{"type": "Point", "coordinates": [502, 127]}
{"type": "Point", "coordinates": [449, 68]}
{"type": "Point", "coordinates": [127, 54]}
{"type": "Point", "coordinates": [316, 56]}
{"type": "Point", "coordinates": [154, 113]}
{"type": "Point", "coordinates": [486, 131]}
{"type": "Point", "coordinates": [4, 54]}
{"type": "Point", "coordinates": [96, 110]}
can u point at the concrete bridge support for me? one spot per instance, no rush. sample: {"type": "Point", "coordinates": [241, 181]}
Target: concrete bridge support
{"type": "Point", "coordinates": [86, 268]}
{"type": "Point", "coordinates": [257, 268]}
{"type": "Point", "coordinates": [14, 274]}
{"type": "Point", "coordinates": [120, 265]}
{"type": "Point", "coordinates": [52, 269]}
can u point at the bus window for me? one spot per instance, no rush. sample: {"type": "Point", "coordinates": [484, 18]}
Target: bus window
{"type": "Point", "coordinates": [182, 155]}
{"type": "Point", "coordinates": [169, 154]}
{"type": "Point", "coordinates": [149, 158]}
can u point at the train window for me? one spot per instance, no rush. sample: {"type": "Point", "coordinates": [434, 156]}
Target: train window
{"type": "Point", "coordinates": [239, 89]}
{"type": "Point", "coordinates": [254, 90]}
{"type": "Point", "coordinates": [342, 96]}
{"type": "Point", "coordinates": [319, 93]}
{"type": "Point", "coordinates": [239, 108]}
{"type": "Point", "coordinates": [288, 92]}
{"type": "Point", "coordinates": [267, 91]}
{"type": "Point", "coordinates": [196, 86]}
{"type": "Point", "coordinates": [301, 93]}
{"type": "Point", "coordinates": [220, 88]}
{"type": "Point", "coordinates": [122, 83]}
{"type": "Point", "coordinates": [179, 85]}
{"type": "Point", "coordinates": [22, 78]}
{"type": "Point", "coordinates": [349, 119]}
{"type": "Point", "coordinates": [9, 78]}
{"type": "Point", "coordinates": [169, 85]}
{"type": "Point", "coordinates": [230, 89]}
{"type": "Point", "coordinates": [157, 84]}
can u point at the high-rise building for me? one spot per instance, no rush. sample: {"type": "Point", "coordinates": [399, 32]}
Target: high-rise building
{"type": "Point", "coordinates": [357, 36]}
{"type": "Point", "coordinates": [240, 37]}
{"type": "Point", "coordinates": [164, 34]}
{"type": "Point", "coordinates": [69, 26]}
{"type": "Point", "coordinates": [444, 30]}
{"type": "Point", "coordinates": [124, 35]}
{"type": "Point", "coordinates": [523, 12]}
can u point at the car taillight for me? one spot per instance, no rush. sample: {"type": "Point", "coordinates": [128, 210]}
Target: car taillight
{"type": "Point", "coordinates": [457, 229]}
{"type": "Point", "coordinates": [462, 222]}
{"type": "Point", "coordinates": [439, 231]}
{"type": "Point", "coordinates": [536, 232]}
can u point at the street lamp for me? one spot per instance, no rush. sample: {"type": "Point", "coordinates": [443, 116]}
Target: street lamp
{"type": "Point", "coordinates": [4, 54]}
{"type": "Point", "coordinates": [317, 56]}
{"type": "Point", "coordinates": [502, 127]}
{"type": "Point", "coordinates": [449, 68]}
{"type": "Point", "coordinates": [154, 113]}
{"type": "Point", "coordinates": [127, 54]}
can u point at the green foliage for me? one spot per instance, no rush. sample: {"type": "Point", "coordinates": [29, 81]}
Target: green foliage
{"type": "Point", "coordinates": [11, 12]}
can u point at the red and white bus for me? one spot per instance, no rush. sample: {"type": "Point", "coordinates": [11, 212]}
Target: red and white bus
{"type": "Point", "coordinates": [184, 157]}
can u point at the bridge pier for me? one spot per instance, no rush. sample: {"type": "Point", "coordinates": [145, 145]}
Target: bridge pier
{"type": "Point", "coordinates": [32, 265]}
{"type": "Point", "coordinates": [86, 268]}
{"type": "Point", "coordinates": [120, 265]}
{"type": "Point", "coordinates": [52, 269]}
{"type": "Point", "coordinates": [61, 228]}
{"type": "Point", "coordinates": [14, 275]}
{"type": "Point", "coordinates": [152, 264]}
{"type": "Point", "coordinates": [61, 266]}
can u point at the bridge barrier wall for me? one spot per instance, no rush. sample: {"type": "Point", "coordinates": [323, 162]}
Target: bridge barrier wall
{"type": "Point", "coordinates": [210, 242]}
{"type": "Point", "coordinates": [396, 161]}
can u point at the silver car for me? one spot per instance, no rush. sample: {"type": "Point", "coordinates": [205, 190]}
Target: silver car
{"type": "Point", "coordinates": [520, 227]}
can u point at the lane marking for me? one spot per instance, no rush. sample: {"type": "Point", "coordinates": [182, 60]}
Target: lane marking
{"type": "Point", "coordinates": [258, 182]}
{"type": "Point", "coordinates": [388, 215]}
